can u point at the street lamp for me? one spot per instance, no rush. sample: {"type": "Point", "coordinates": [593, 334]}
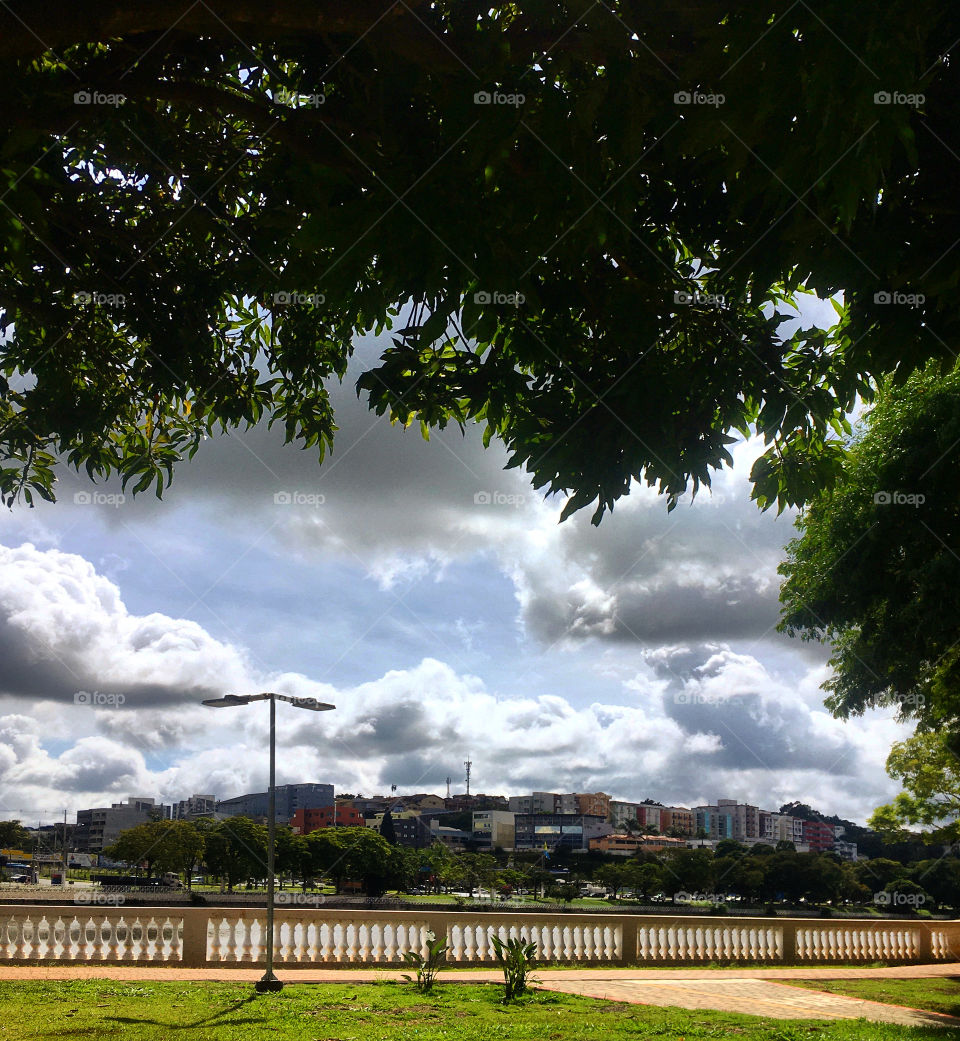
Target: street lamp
{"type": "Point", "coordinates": [269, 981]}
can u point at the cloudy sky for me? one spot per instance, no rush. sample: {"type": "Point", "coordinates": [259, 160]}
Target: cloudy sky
{"type": "Point", "coordinates": [435, 599]}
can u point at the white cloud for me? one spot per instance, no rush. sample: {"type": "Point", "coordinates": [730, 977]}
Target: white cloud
{"type": "Point", "coordinates": [697, 722]}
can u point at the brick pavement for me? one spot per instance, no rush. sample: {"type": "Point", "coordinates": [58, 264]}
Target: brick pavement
{"type": "Point", "coordinates": [755, 997]}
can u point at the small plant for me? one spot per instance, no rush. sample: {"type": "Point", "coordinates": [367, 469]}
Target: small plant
{"type": "Point", "coordinates": [428, 967]}
{"type": "Point", "coordinates": [516, 958]}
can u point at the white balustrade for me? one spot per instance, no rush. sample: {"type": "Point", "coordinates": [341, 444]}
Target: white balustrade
{"type": "Point", "coordinates": [313, 936]}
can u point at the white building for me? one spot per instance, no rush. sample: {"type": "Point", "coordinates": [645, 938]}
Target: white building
{"type": "Point", "coordinates": [622, 813]}
{"type": "Point", "coordinates": [492, 828]}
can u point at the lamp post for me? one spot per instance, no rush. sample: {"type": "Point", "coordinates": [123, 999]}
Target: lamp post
{"type": "Point", "coordinates": [269, 981]}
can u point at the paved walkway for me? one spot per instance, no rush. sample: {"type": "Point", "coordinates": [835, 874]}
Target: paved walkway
{"type": "Point", "coordinates": [756, 992]}
{"type": "Point", "coordinates": [755, 997]}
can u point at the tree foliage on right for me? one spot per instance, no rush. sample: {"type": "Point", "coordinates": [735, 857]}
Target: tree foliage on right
{"type": "Point", "coordinates": [875, 569]}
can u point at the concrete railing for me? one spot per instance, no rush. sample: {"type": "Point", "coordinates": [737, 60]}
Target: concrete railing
{"type": "Point", "coordinates": [314, 936]}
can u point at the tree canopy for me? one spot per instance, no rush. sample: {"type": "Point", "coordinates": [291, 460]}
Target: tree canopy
{"type": "Point", "coordinates": [874, 568]}
{"type": "Point", "coordinates": [930, 773]}
{"type": "Point", "coordinates": [584, 223]}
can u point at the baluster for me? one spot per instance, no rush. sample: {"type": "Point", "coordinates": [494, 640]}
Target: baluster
{"type": "Point", "coordinates": [111, 953]}
{"type": "Point", "coordinates": [213, 938]}
{"type": "Point", "coordinates": [30, 937]}
{"type": "Point", "coordinates": [231, 935]}
{"type": "Point", "coordinates": [391, 948]}
{"type": "Point", "coordinates": [324, 939]}
{"type": "Point", "coordinates": [376, 942]}
{"type": "Point", "coordinates": [170, 947]}
{"type": "Point", "coordinates": [72, 940]}
{"type": "Point", "coordinates": [56, 940]}
{"type": "Point", "coordinates": [96, 953]}
{"type": "Point", "coordinates": [15, 935]}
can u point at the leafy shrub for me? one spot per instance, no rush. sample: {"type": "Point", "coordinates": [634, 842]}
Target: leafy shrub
{"type": "Point", "coordinates": [428, 967]}
{"type": "Point", "coordinates": [516, 958]}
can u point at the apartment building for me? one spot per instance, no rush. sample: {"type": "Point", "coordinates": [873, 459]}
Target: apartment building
{"type": "Point", "coordinates": [745, 818]}
{"type": "Point", "coordinates": [780, 827]}
{"type": "Point", "coordinates": [713, 822]}
{"type": "Point", "coordinates": [623, 813]}
{"type": "Point", "coordinates": [194, 807]}
{"type": "Point", "coordinates": [650, 816]}
{"type": "Point", "coordinates": [536, 802]}
{"type": "Point", "coordinates": [677, 818]}
{"type": "Point", "coordinates": [818, 835]}
{"type": "Point", "coordinates": [592, 804]}
{"type": "Point", "coordinates": [101, 826]}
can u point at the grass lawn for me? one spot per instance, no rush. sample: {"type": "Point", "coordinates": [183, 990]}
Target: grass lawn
{"type": "Point", "coordinates": [940, 994]}
{"type": "Point", "coordinates": [101, 1010]}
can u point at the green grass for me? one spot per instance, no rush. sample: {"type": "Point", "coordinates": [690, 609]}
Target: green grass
{"type": "Point", "coordinates": [98, 1010]}
{"type": "Point", "coordinates": [939, 994]}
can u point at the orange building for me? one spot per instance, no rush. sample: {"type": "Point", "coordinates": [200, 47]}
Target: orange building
{"type": "Point", "coordinates": [343, 815]}
{"type": "Point", "coordinates": [596, 804]}
{"type": "Point", "coordinates": [626, 845]}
